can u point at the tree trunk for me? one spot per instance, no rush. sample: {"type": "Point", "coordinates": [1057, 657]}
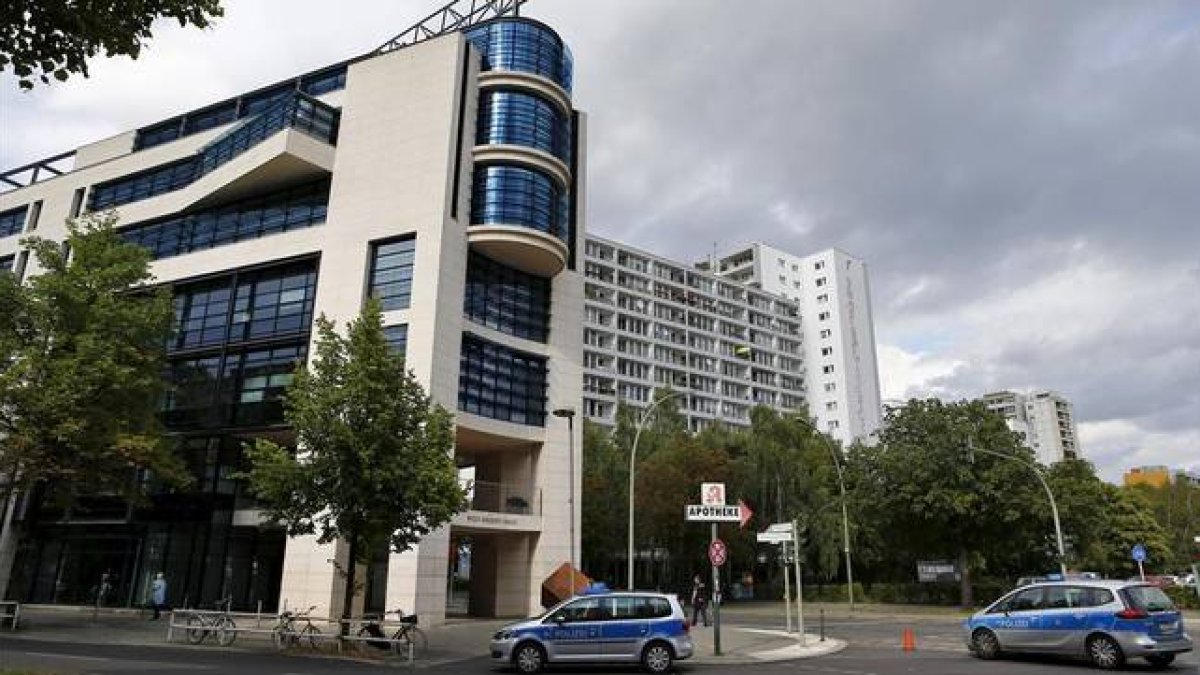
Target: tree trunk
{"type": "Point", "coordinates": [348, 595]}
{"type": "Point", "coordinates": [965, 589]}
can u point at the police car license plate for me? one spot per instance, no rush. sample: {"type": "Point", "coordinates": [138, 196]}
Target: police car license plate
{"type": "Point", "coordinates": [1168, 626]}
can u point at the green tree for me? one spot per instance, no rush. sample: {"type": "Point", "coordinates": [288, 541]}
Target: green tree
{"type": "Point", "coordinates": [1176, 508]}
{"type": "Point", "coordinates": [605, 495]}
{"type": "Point", "coordinates": [927, 499]}
{"type": "Point", "coordinates": [82, 352]}
{"type": "Point", "coordinates": [1131, 521]}
{"type": "Point", "coordinates": [375, 464]}
{"type": "Point", "coordinates": [54, 38]}
{"type": "Point", "coordinates": [1084, 506]}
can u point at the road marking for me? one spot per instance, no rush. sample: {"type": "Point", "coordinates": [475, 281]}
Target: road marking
{"type": "Point", "coordinates": [68, 656]}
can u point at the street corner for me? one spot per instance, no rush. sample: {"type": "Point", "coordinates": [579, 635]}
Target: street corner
{"type": "Point", "coordinates": [746, 645]}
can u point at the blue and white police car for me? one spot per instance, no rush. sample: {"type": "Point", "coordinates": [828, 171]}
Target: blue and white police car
{"type": "Point", "coordinates": [614, 627]}
{"type": "Point", "coordinates": [1106, 622]}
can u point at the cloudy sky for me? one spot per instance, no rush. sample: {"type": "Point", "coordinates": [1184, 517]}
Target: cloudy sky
{"type": "Point", "coordinates": [1022, 177]}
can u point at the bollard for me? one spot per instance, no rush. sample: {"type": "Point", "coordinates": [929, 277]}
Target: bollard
{"type": "Point", "coordinates": [822, 624]}
{"type": "Point", "coordinates": [908, 640]}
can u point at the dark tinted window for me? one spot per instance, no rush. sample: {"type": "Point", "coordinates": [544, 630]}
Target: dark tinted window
{"type": "Point", "coordinates": [392, 272]}
{"type": "Point", "coordinates": [506, 299]}
{"type": "Point", "coordinates": [272, 213]}
{"type": "Point", "coordinates": [1028, 599]}
{"type": "Point", "coordinates": [12, 221]}
{"type": "Point", "coordinates": [501, 383]}
{"type": "Point", "coordinates": [1149, 598]}
{"type": "Point", "coordinates": [397, 338]}
{"type": "Point", "coordinates": [583, 609]}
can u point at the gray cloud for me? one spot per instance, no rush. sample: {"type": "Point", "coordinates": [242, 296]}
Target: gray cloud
{"type": "Point", "coordinates": [1020, 176]}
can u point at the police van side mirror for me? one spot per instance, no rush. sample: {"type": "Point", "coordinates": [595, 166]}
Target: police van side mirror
{"type": "Point", "coordinates": [559, 618]}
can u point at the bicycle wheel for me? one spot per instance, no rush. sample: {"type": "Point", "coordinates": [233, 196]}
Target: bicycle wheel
{"type": "Point", "coordinates": [226, 631]}
{"type": "Point", "coordinates": [363, 646]}
{"type": "Point", "coordinates": [197, 629]}
{"type": "Point", "coordinates": [284, 637]}
{"type": "Point", "coordinates": [419, 641]}
{"type": "Point", "coordinates": [410, 636]}
{"type": "Point", "coordinates": [311, 636]}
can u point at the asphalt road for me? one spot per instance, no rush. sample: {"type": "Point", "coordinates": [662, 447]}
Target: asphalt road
{"type": "Point", "coordinates": [874, 650]}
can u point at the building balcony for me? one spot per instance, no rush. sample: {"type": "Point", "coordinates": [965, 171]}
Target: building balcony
{"type": "Point", "coordinates": [506, 507]}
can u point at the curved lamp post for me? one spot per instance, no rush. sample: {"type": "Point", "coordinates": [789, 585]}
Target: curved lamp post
{"type": "Point", "coordinates": [637, 434]}
{"type": "Point", "coordinates": [1062, 556]}
{"type": "Point", "coordinates": [837, 464]}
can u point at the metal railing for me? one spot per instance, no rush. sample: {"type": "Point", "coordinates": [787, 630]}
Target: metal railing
{"type": "Point", "coordinates": [24, 176]}
{"type": "Point", "coordinates": [408, 644]}
{"type": "Point", "coordinates": [503, 498]}
{"type": "Point", "coordinates": [296, 110]}
{"type": "Point", "coordinates": [10, 613]}
{"type": "Point", "coordinates": [455, 16]}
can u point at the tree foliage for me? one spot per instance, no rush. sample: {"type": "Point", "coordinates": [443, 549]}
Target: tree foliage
{"type": "Point", "coordinates": [82, 352]}
{"type": "Point", "coordinates": [932, 497]}
{"type": "Point", "coordinates": [943, 481]}
{"type": "Point", "coordinates": [375, 463]}
{"type": "Point", "coordinates": [55, 38]}
{"type": "Point", "coordinates": [1176, 509]}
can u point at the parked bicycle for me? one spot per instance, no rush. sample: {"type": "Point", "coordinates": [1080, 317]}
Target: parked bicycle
{"type": "Point", "coordinates": [407, 639]}
{"type": "Point", "coordinates": [296, 628]}
{"type": "Point", "coordinates": [220, 625]}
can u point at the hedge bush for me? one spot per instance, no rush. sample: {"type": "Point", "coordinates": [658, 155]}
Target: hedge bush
{"type": "Point", "coordinates": [1184, 597]}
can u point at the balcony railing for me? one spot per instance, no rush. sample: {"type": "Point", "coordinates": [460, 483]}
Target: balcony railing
{"type": "Point", "coordinates": [295, 110]}
{"type": "Point", "coordinates": [503, 498]}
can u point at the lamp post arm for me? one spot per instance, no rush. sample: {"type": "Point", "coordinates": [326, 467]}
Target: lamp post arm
{"type": "Point", "coordinates": [637, 435]}
{"type": "Point", "coordinates": [1062, 556]}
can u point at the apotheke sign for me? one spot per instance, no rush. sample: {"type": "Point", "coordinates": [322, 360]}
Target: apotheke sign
{"type": "Point", "coordinates": [711, 514]}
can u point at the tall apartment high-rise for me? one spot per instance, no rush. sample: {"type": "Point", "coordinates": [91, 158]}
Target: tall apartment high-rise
{"type": "Point", "coordinates": [728, 342]}
{"type": "Point", "coordinates": [439, 174]}
{"type": "Point", "coordinates": [652, 323]}
{"type": "Point", "coordinates": [842, 374]}
{"type": "Point", "coordinates": [1044, 420]}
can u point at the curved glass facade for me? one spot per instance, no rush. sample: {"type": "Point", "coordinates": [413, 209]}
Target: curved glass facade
{"type": "Point", "coordinates": [517, 118]}
{"type": "Point", "coordinates": [524, 46]}
{"type": "Point", "coordinates": [501, 383]}
{"type": "Point", "coordinates": [506, 299]}
{"type": "Point", "coordinates": [512, 195]}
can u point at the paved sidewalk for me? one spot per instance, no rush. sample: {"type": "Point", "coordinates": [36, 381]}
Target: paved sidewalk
{"type": "Point", "coordinates": [457, 640]}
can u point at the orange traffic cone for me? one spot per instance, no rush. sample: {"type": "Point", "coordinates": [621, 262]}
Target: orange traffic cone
{"type": "Point", "coordinates": [908, 640]}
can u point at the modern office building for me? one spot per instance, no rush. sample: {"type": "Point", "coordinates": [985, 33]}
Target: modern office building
{"type": "Point", "coordinates": [838, 330]}
{"type": "Point", "coordinates": [439, 174]}
{"type": "Point", "coordinates": [1044, 420]}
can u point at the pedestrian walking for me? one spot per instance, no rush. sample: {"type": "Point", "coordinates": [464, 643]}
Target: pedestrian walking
{"type": "Point", "coordinates": [158, 595]}
{"type": "Point", "coordinates": [699, 600]}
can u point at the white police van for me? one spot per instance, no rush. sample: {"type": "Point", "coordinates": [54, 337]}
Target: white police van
{"type": "Point", "coordinates": [1107, 622]}
{"type": "Point", "coordinates": [614, 627]}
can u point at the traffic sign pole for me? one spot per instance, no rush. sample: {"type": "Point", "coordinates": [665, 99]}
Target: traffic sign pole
{"type": "Point", "coordinates": [799, 587]}
{"type": "Point", "coordinates": [716, 596]}
{"type": "Point", "coordinates": [787, 589]}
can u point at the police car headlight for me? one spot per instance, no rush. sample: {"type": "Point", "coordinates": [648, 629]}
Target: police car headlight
{"type": "Point", "coordinates": [502, 635]}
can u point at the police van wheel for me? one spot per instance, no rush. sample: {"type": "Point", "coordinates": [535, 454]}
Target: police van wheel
{"type": "Point", "coordinates": [1105, 653]}
{"type": "Point", "coordinates": [657, 657]}
{"type": "Point", "coordinates": [987, 647]}
{"type": "Point", "coordinates": [528, 658]}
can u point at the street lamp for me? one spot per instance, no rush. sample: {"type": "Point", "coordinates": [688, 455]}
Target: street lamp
{"type": "Point", "coordinates": [569, 413]}
{"type": "Point", "coordinates": [837, 464]}
{"type": "Point", "coordinates": [637, 434]}
{"type": "Point", "coordinates": [1062, 556]}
